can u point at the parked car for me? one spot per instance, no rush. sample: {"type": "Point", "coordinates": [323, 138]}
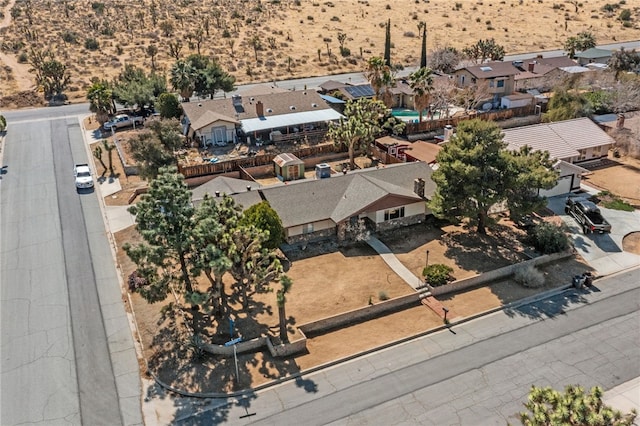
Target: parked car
{"type": "Point", "coordinates": [123, 120]}
{"type": "Point", "coordinates": [83, 176]}
{"type": "Point", "coordinates": [587, 214]}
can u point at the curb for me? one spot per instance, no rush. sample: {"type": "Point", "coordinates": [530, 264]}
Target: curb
{"type": "Point", "coordinates": [458, 321]}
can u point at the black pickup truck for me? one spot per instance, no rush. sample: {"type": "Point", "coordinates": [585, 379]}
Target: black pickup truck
{"type": "Point", "coordinates": [587, 214]}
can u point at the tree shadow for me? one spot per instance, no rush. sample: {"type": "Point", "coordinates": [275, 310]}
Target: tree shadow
{"type": "Point", "coordinates": [551, 307]}
{"type": "Point", "coordinates": [407, 239]}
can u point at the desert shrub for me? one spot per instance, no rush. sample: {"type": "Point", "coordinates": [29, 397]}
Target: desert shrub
{"type": "Point", "coordinates": [548, 238]}
{"type": "Point", "coordinates": [610, 7]}
{"type": "Point", "coordinates": [135, 281]}
{"type": "Point", "coordinates": [529, 276]}
{"type": "Point", "coordinates": [23, 58]}
{"type": "Point", "coordinates": [335, 19]}
{"type": "Point", "coordinates": [625, 15]}
{"type": "Point", "coordinates": [91, 44]}
{"type": "Point", "coordinates": [3, 123]}
{"type": "Point", "coordinates": [345, 51]}
{"type": "Point", "coordinates": [437, 274]}
{"type": "Point", "coordinates": [383, 295]}
{"type": "Point", "coordinates": [69, 37]}
{"type": "Point", "coordinates": [98, 7]}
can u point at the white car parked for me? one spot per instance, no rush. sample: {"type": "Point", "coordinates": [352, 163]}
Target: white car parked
{"type": "Point", "coordinates": [82, 173]}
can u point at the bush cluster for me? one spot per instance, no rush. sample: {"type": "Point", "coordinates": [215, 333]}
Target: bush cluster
{"type": "Point", "coordinates": [437, 274]}
{"type": "Point", "coordinates": [135, 281]}
{"type": "Point", "coordinates": [548, 238]}
{"type": "Point", "coordinates": [529, 276]}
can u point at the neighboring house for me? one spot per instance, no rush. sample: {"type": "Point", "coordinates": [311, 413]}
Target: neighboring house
{"type": "Point", "coordinates": [496, 78]}
{"type": "Point", "coordinates": [540, 73]}
{"type": "Point", "coordinates": [569, 142]}
{"type": "Point", "coordinates": [402, 95]}
{"type": "Point", "coordinates": [593, 55]}
{"type": "Point", "coordinates": [381, 198]}
{"type": "Point", "coordinates": [289, 115]}
{"type": "Point", "coordinates": [331, 86]}
{"type": "Point", "coordinates": [354, 92]}
{"type": "Point", "coordinates": [388, 147]}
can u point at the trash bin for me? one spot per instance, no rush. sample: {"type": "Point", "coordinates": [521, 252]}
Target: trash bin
{"type": "Point", "coordinates": [578, 281]}
{"type": "Point", "coordinates": [588, 279]}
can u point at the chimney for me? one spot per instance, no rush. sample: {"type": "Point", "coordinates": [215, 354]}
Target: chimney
{"type": "Point", "coordinates": [217, 193]}
{"type": "Point", "coordinates": [448, 131]}
{"type": "Point", "coordinates": [260, 109]}
{"type": "Point", "coordinates": [248, 187]}
{"type": "Point", "coordinates": [620, 121]}
{"type": "Point", "coordinates": [532, 65]}
{"type": "Point", "coordinates": [418, 187]}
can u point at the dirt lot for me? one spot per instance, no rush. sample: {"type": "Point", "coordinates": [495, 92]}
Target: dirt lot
{"type": "Point", "coordinates": [621, 176]}
{"type": "Point", "coordinates": [295, 39]}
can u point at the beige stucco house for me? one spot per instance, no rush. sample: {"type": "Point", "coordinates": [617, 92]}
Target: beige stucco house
{"type": "Point", "coordinates": [496, 78]}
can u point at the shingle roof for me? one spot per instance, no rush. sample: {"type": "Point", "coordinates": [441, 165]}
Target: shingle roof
{"type": "Point", "coordinates": [562, 139]}
{"type": "Point", "coordinates": [224, 185]}
{"type": "Point", "coordinates": [343, 196]}
{"type": "Point", "coordinates": [211, 117]}
{"type": "Point", "coordinates": [492, 70]}
{"type": "Point", "coordinates": [287, 159]}
{"type": "Point", "coordinates": [555, 62]}
{"type": "Point", "coordinates": [273, 104]}
{"type": "Point", "coordinates": [331, 85]}
{"type": "Point", "coordinates": [593, 53]}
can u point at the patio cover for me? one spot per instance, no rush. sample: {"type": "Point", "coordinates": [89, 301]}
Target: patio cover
{"type": "Point", "coordinates": [288, 120]}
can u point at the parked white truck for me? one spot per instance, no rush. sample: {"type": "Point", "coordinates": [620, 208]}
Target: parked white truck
{"type": "Point", "coordinates": [123, 120]}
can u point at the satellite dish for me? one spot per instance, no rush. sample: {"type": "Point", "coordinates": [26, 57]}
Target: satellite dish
{"type": "Point", "coordinates": [487, 106]}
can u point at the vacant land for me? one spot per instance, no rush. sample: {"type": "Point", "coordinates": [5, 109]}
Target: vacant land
{"type": "Point", "coordinates": [264, 41]}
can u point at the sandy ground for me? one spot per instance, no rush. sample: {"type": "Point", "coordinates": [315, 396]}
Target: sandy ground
{"type": "Point", "coordinates": [621, 176]}
{"type": "Point", "coordinates": [293, 39]}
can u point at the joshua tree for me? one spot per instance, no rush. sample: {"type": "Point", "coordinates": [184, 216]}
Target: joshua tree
{"type": "Point", "coordinates": [109, 148]}
{"type": "Point", "coordinates": [152, 51]}
{"type": "Point", "coordinates": [97, 153]}
{"type": "Point", "coordinates": [285, 287]}
{"type": "Point", "coordinates": [256, 44]}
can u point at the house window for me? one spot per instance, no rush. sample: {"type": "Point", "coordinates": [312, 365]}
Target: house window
{"type": "Point", "coordinates": [583, 154]}
{"type": "Point", "coordinates": [394, 213]}
{"type": "Point", "coordinates": [307, 228]}
{"type": "Point", "coordinates": [500, 83]}
{"type": "Point", "coordinates": [597, 150]}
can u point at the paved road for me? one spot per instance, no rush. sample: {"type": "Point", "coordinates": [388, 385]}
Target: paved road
{"type": "Point", "coordinates": [478, 374]}
{"type": "Point", "coordinates": [67, 352]}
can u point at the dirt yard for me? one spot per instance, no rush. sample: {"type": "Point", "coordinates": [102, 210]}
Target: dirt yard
{"type": "Point", "coordinates": [620, 176]}
{"type": "Point", "coordinates": [266, 41]}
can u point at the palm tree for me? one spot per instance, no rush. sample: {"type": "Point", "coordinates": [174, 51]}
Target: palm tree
{"type": "Point", "coordinates": [421, 82]}
{"type": "Point", "coordinates": [381, 78]}
{"type": "Point", "coordinates": [285, 283]}
{"type": "Point", "coordinates": [100, 98]}
{"type": "Point", "coordinates": [183, 78]}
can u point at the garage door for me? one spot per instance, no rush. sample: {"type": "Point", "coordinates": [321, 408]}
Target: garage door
{"type": "Point", "coordinates": [563, 187]}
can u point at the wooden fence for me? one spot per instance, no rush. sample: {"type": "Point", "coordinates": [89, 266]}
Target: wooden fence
{"type": "Point", "coordinates": [433, 125]}
{"type": "Point", "coordinates": [237, 164]}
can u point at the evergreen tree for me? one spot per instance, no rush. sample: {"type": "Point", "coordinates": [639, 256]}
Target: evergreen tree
{"type": "Point", "coordinates": [423, 52]}
{"type": "Point", "coordinates": [387, 44]}
{"type": "Point", "coordinates": [476, 172]}
{"type": "Point", "coordinates": [265, 218]}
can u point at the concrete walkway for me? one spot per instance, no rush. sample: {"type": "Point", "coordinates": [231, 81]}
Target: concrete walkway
{"type": "Point", "coordinates": [390, 259]}
{"type": "Point", "coordinates": [625, 397]}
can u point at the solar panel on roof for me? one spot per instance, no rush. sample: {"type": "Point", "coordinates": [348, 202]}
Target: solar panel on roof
{"type": "Point", "coordinates": [360, 91]}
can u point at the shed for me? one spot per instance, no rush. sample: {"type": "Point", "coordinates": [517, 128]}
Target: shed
{"type": "Point", "coordinates": [516, 100]}
{"type": "Point", "coordinates": [288, 167]}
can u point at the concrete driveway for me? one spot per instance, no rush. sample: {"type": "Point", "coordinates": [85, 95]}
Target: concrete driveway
{"type": "Point", "coordinates": [603, 252]}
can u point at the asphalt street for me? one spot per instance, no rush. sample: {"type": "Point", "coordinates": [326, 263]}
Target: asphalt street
{"type": "Point", "coordinates": [479, 373]}
{"type": "Point", "coordinates": [66, 346]}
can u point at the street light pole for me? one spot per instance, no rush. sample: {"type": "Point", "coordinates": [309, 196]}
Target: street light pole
{"type": "Point", "coordinates": [445, 314]}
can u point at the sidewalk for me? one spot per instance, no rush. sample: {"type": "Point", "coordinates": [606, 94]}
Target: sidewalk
{"type": "Point", "coordinates": [625, 397]}
{"type": "Point", "coordinates": [390, 259]}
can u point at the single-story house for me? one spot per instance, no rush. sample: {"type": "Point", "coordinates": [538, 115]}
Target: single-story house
{"type": "Point", "coordinates": [288, 167]}
{"type": "Point", "coordinates": [593, 55]}
{"type": "Point", "coordinates": [382, 198]}
{"type": "Point", "coordinates": [569, 142]}
{"type": "Point", "coordinates": [541, 73]}
{"type": "Point", "coordinates": [288, 115]}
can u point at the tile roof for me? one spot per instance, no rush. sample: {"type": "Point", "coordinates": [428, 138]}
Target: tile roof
{"type": "Point", "coordinates": [562, 139]}
{"type": "Point", "coordinates": [342, 196]}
